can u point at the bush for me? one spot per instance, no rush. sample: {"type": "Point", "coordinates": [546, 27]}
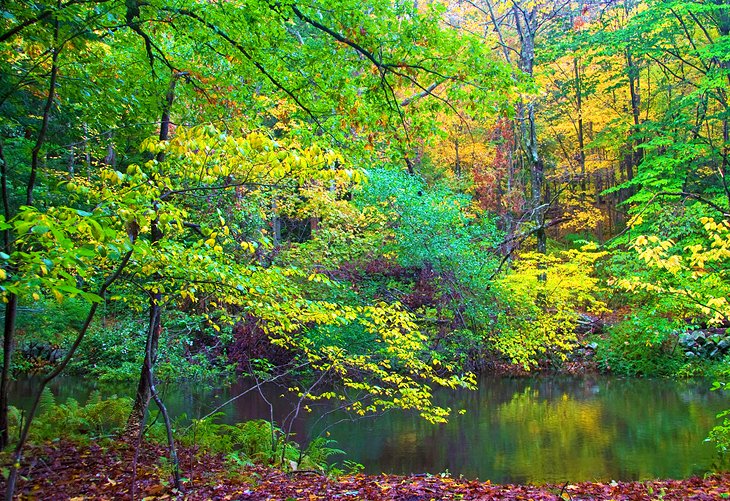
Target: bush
{"type": "Point", "coordinates": [720, 434]}
{"type": "Point", "coordinates": [114, 351]}
{"type": "Point", "coordinates": [434, 226]}
{"type": "Point", "coordinates": [70, 420]}
{"type": "Point", "coordinates": [254, 442]}
{"type": "Point", "coordinates": [540, 301]}
{"type": "Point", "coordinates": [644, 344]}
{"type": "Point", "coordinates": [43, 332]}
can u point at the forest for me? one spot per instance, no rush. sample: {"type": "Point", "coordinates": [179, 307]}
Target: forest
{"type": "Point", "coordinates": [364, 210]}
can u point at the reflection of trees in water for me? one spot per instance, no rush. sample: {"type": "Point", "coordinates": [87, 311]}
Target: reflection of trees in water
{"type": "Point", "coordinates": [550, 438]}
{"type": "Point", "coordinates": [637, 429]}
{"type": "Point", "coordinates": [515, 430]}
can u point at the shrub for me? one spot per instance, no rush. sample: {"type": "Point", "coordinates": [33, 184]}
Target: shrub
{"type": "Point", "coordinates": [644, 344]}
{"type": "Point", "coordinates": [254, 442]}
{"type": "Point", "coordinates": [73, 421]}
{"type": "Point", "coordinates": [540, 301]}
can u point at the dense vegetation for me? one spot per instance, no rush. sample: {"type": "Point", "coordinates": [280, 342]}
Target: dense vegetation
{"type": "Point", "coordinates": [364, 202]}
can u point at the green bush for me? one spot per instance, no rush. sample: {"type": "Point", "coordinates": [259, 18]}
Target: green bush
{"type": "Point", "coordinates": [434, 226]}
{"type": "Point", "coordinates": [253, 442]}
{"type": "Point", "coordinates": [51, 321]}
{"type": "Point", "coordinates": [96, 418]}
{"type": "Point", "coordinates": [643, 344]}
{"type": "Point", "coordinates": [720, 434]}
{"type": "Point", "coordinates": [44, 329]}
{"type": "Point", "coordinates": [114, 352]}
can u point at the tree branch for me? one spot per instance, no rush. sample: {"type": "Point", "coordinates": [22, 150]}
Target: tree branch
{"type": "Point", "coordinates": [428, 91]}
{"type": "Point", "coordinates": [35, 154]}
{"type": "Point", "coordinates": [248, 56]}
{"type": "Point", "coordinates": [44, 14]}
{"type": "Point", "coordinates": [18, 453]}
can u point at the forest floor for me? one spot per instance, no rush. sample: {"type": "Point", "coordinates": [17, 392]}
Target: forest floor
{"type": "Point", "coordinates": [66, 471]}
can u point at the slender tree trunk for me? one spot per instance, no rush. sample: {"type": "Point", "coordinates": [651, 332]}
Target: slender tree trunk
{"type": "Point", "coordinates": [149, 392]}
{"type": "Point", "coordinates": [144, 394]}
{"type": "Point", "coordinates": [71, 161]}
{"type": "Point", "coordinates": [18, 452]}
{"type": "Point", "coordinates": [581, 137]}
{"type": "Point", "coordinates": [146, 389]}
{"type": "Point", "coordinates": [40, 141]}
{"type": "Point", "coordinates": [457, 163]}
{"type": "Point", "coordinates": [111, 155]}
{"type": "Point", "coordinates": [526, 24]}
{"type": "Point", "coordinates": [724, 171]}
{"type": "Point", "coordinates": [87, 152]}
{"type": "Point", "coordinates": [636, 157]}
{"type": "Point", "coordinates": [537, 168]}
{"type": "Point", "coordinates": [11, 310]}
{"type": "Point", "coordinates": [145, 385]}
{"type": "Point", "coordinates": [11, 307]}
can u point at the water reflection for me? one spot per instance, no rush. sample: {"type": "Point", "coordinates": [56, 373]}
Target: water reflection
{"type": "Point", "coordinates": [515, 430]}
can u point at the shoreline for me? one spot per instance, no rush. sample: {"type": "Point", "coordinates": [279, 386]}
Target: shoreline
{"type": "Point", "coordinates": [64, 470]}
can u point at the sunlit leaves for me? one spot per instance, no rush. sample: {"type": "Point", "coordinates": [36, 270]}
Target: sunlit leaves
{"type": "Point", "coordinates": [58, 250]}
{"type": "Point", "coordinates": [696, 274]}
{"type": "Point", "coordinates": [541, 300]}
{"type": "Point", "coordinates": [394, 372]}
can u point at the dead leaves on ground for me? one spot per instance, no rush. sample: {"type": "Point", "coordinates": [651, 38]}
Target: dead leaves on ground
{"type": "Point", "coordinates": [68, 471]}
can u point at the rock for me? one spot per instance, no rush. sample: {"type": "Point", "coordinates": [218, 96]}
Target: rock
{"type": "Point", "coordinates": [55, 355]}
{"type": "Point", "coordinates": [686, 339]}
{"type": "Point", "coordinates": [588, 325]}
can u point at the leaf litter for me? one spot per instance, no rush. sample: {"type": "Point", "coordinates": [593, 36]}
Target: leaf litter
{"type": "Point", "coordinates": [64, 470]}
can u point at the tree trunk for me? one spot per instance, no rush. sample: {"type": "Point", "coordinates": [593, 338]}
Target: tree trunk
{"type": "Point", "coordinates": [17, 455]}
{"type": "Point", "coordinates": [145, 386]}
{"type": "Point", "coordinates": [537, 168]}
{"type": "Point", "coordinates": [144, 394]}
{"type": "Point", "coordinates": [526, 24]}
{"type": "Point", "coordinates": [635, 110]}
{"type": "Point", "coordinates": [457, 162]}
{"type": "Point", "coordinates": [11, 307]}
{"type": "Point", "coordinates": [11, 311]}
{"type": "Point", "coordinates": [581, 137]}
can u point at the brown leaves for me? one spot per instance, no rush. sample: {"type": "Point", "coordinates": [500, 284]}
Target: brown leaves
{"type": "Point", "coordinates": [67, 471]}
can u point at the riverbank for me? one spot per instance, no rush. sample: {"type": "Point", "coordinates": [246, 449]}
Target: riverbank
{"type": "Point", "coordinates": [64, 471]}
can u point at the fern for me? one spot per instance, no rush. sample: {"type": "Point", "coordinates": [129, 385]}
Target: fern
{"type": "Point", "coordinates": [47, 401]}
{"type": "Point", "coordinates": [318, 453]}
{"type": "Point", "coordinates": [76, 422]}
{"type": "Point", "coordinates": [95, 397]}
{"type": "Point", "coordinates": [254, 442]}
{"type": "Point", "coordinates": [208, 435]}
{"type": "Point", "coordinates": [106, 416]}
{"type": "Point", "coordinates": [258, 439]}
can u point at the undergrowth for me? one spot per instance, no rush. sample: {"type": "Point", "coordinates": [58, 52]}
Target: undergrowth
{"type": "Point", "coordinates": [251, 442]}
{"type": "Point", "coordinates": [98, 418]}
{"type": "Point", "coordinates": [256, 442]}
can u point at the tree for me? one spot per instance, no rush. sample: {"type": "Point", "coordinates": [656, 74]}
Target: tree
{"type": "Point", "coordinates": [525, 20]}
{"type": "Point", "coordinates": [137, 216]}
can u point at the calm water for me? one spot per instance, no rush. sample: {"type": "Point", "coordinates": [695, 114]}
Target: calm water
{"type": "Point", "coordinates": [550, 429]}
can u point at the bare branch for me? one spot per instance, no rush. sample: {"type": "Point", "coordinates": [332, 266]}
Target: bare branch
{"type": "Point", "coordinates": [426, 92]}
